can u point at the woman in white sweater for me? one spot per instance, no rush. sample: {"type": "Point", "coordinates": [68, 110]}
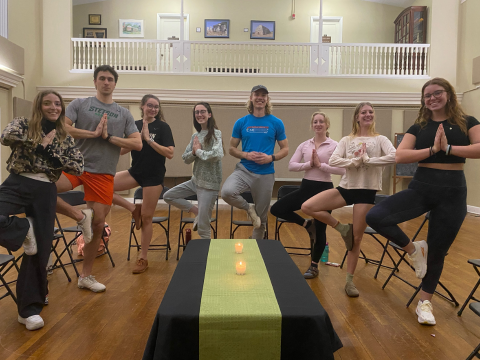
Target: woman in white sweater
{"type": "Point", "coordinates": [363, 154]}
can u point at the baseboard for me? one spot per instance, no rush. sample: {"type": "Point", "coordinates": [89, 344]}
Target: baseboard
{"type": "Point", "coordinates": [473, 209]}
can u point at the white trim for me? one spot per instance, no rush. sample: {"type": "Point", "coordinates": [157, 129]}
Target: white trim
{"type": "Point", "coordinates": [9, 80]}
{"type": "Point", "coordinates": [4, 18]}
{"type": "Point", "coordinates": [473, 209]}
{"type": "Point", "coordinates": [337, 19]}
{"type": "Point", "coordinates": [237, 96]}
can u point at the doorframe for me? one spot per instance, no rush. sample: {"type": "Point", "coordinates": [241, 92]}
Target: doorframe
{"type": "Point", "coordinates": [174, 16]}
{"type": "Point", "coordinates": [331, 19]}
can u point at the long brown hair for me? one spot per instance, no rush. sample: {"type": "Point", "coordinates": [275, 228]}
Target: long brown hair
{"type": "Point", "coordinates": [268, 106]}
{"type": "Point", "coordinates": [211, 123]}
{"type": "Point", "coordinates": [35, 123]}
{"type": "Point", "coordinates": [159, 115]}
{"type": "Point", "coordinates": [327, 120]}
{"type": "Point", "coordinates": [356, 125]}
{"type": "Point", "coordinates": [453, 110]}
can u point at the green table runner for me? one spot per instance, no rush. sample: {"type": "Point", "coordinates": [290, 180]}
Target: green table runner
{"type": "Point", "coordinates": [239, 314]}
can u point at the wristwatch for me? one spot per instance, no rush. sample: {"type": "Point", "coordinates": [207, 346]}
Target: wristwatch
{"type": "Point", "coordinates": [108, 137]}
{"type": "Point", "coordinates": [273, 158]}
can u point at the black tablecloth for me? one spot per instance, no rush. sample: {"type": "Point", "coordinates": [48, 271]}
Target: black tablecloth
{"type": "Point", "coordinates": [307, 332]}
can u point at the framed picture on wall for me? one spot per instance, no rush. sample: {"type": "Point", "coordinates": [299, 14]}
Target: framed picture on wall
{"type": "Point", "coordinates": [215, 28]}
{"type": "Point", "coordinates": [95, 33]}
{"type": "Point", "coordinates": [94, 19]}
{"type": "Point", "coordinates": [130, 28]}
{"type": "Point", "coordinates": [264, 30]}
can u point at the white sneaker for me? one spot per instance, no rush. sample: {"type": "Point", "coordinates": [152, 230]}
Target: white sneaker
{"type": "Point", "coordinates": [30, 243]}
{"type": "Point", "coordinates": [425, 313]}
{"type": "Point", "coordinates": [419, 258]}
{"type": "Point", "coordinates": [195, 223]}
{"type": "Point", "coordinates": [86, 225]}
{"type": "Point", "coordinates": [253, 217]}
{"type": "Point", "coordinates": [89, 282]}
{"type": "Point", "coordinates": [33, 322]}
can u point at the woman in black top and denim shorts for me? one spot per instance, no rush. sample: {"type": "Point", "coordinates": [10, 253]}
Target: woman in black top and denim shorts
{"type": "Point", "coordinates": [440, 141]}
{"type": "Point", "coordinates": [147, 171]}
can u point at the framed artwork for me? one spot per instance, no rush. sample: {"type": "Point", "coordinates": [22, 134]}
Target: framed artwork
{"type": "Point", "coordinates": [264, 30]}
{"type": "Point", "coordinates": [130, 28]}
{"type": "Point", "coordinates": [96, 33]}
{"type": "Point", "coordinates": [215, 28]}
{"type": "Point", "coordinates": [94, 19]}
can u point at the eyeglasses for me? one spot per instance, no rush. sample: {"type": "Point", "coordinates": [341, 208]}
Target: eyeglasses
{"type": "Point", "coordinates": [198, 112]}
{"type": "Point", "coordinates": [151, 106]}
{"type": "Point", "coordinates": [435, 94]}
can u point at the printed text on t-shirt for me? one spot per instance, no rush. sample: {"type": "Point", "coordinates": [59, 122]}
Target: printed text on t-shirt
{"type": "Point", "coordinates": [257, 129]}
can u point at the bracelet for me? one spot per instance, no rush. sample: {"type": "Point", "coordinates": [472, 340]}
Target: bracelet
{"type": "Point", "coordinates": [449, 150]}
{"type": "Point", "coordinates": [273, 158]}
{"type": "Point", "coordinates": [431, 151]}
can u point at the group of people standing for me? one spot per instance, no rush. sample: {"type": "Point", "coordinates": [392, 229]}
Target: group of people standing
{"type": "Point", "coordinates": [45, 161]}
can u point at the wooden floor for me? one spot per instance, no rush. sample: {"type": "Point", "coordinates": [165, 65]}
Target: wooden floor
{"type": "Point", "coordinates": [115, 325]}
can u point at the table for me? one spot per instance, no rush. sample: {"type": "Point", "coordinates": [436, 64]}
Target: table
{"type": "Point", "coordinates": [306, 330]}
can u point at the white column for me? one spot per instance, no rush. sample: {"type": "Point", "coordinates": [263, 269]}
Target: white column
{"type": "Point", "coordinates": [4, 18]}
{"type": "Point", "coordinates": [320, 36]}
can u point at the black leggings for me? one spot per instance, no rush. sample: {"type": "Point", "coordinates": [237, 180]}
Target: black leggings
{"type": "Point", "coordinates": [37, 199]}
{"type": "Point", "coordinates": [285, 208]}
{"type": "Point", "coordinates": [444, 194]}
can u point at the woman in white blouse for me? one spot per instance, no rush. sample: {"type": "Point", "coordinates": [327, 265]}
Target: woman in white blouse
{"type": "Point", "coordinates": [363, 154]}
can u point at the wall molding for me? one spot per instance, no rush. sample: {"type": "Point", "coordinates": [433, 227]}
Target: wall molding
{"type": "Point", "coordinates": [9, 80]}
{"type": "Point", "coordinates": [240, 97]}
{"type": "Point", "coordinates": [473, 209]}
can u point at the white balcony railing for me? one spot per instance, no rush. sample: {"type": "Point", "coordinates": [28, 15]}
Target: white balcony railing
{"type": "Point", "coordinates": [253, 58]}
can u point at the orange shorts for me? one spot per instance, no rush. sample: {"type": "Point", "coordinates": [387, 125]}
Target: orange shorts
{"type": "Point", "coordinates": [97, 187]}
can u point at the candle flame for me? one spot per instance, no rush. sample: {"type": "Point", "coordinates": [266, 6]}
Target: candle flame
{"type": "Point", "coordinates": [240, 263]}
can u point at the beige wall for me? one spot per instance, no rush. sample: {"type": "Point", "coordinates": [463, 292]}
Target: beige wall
{"type": "Point", "coordinates": [468, 49]}
{"type": "Point", "coordinates": [355, 28]}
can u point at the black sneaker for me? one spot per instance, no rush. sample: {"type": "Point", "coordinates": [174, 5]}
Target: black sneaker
{"type": "Point", "coordinates": [311, 273]}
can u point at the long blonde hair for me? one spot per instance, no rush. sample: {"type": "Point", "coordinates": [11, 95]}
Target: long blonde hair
{"type": "Point", "coordinates": [268, 106]}
{"type": "Point", "coordinates": [355, 123]}
{"type": "Point", "coordinates": [453, 110]}
{"type": "Point", "coordinates": [327, 120]}
{"type": "Point", "coordinates": [35, 123]}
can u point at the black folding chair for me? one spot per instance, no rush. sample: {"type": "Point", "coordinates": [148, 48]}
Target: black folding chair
{"type": "Point", "coordinates": [476, 264]}
{"type": "Point", "coordinates": [475, 307]}
{"type": "Point", "coordinates": [75, 198]}
{"type": "Point", "coordinates": [369, 231]}
{"type": "Point", "coordinates": [247, 195]}
{"type": "Point", "coordinates": [185, 221]}
{"type": "Point", "coordinates": [282, 192]}
{"type": "Point", "coordinates": [4, 261]}
{"type": "Point", "coordinates": [138, 195]}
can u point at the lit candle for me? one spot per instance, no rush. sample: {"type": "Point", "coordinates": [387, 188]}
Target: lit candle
{"type": "Point", "coordinates": [239, 248]}
{"type": "Point", "coordinates": [241, 267]}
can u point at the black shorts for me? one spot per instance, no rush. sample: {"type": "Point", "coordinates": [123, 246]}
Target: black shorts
{"type": "Point", "coordinates": [146, 181]}
{"type": "Point", "coordinates": [357, 196]}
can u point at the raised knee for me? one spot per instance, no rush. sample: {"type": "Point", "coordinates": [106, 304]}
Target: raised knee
{"type": "Point", "coordinates": [306, 209]}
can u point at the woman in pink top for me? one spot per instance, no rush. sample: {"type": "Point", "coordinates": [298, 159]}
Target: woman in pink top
{"type": "Point", "coordinates": [315, 153]}
{"type": "Point", "coordinates": [363, 154]}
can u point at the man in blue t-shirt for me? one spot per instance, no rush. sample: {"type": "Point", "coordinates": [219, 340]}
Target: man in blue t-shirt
{"type": "Point", "coordinates": [258, 133]}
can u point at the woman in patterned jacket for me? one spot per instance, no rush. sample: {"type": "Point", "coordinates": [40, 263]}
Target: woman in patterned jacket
{"type": "Point", "coordinates": [205, 150]}
{"type": "Point", "coordinates": [41, 150]}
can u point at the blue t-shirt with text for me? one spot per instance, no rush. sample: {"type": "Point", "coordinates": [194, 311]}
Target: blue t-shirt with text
{"type": "Point", "coordinates": [259, 134]}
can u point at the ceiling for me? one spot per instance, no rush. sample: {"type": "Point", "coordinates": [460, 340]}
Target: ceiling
{"type": "Point", "coordinates": [80, 2]}
{"type": "Point", "coordinates": [400, 3]}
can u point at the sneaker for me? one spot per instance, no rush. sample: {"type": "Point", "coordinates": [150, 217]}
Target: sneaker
{"type": "Point", "coordinates": [46, 299]}
{"type": "Point", "coordinates": [33, 322]}
{"type": "Point", "coordinates": [351, 289]}
{"type": "Point", "coordinates": [348, 238]}
{"type": "Point", "coordinates": [312, 231]}
{"type": "Point", "coordinates": [311, 273]}
{"type": "Point", "coordinates": [425, 313]}
{"type": "Point", "coordinates": [195, 224]}
{"type": "Point", "coordinates": [137, 216]}
{"type": "Point", "coordinates": [30, 243]}
{"type": "Point", "coordinates": [419, 258]}
{"type": "Point", "coordinates": [253, 217]}
{"type": "Point", "coordinates": [86, 225]}
{"type": "Point", "coordinates": [140, 266]}
{"type": "Point", "coordinates": [89, 282]}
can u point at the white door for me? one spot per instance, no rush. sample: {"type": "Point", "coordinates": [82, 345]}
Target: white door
{"type": "Point", "coordinates": [332, 26]}
{"type": "Point", "coordinates": [168, 28]}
